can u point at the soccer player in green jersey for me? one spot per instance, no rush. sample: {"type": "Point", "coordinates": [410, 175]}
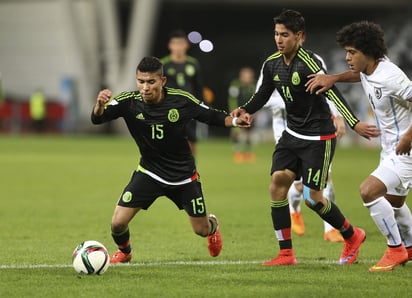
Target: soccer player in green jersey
{"type": "Point", "coordinates": [183, 72]}
{"type": "Point", "coordinates": [307, 145]}
{"type": "Point", "coordinates": [156, 117]}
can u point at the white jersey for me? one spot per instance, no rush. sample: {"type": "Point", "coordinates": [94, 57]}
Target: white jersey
{"type": "Point", "coordinates": [388, 90]}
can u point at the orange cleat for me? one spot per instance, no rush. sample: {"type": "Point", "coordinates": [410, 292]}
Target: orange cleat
{"type": "Point", "coordinates": [409, 250]}
{"type": "Point", "coordinates": [284, 258]}
{"type": "Point", "coordinates": [120, 257]}
{"type": "Point", "coordinates": [238, 157]}
{"type": "Point", "coordinates": [333, 236]}
{"type": "Point", "coordinates": [393, 257]}
{"type": "Point", "coordinates": [214, 241]}
{"type": "Point", "coordinates": [298, 226]}
{"type": "Point", "coordinates": [351, 248]}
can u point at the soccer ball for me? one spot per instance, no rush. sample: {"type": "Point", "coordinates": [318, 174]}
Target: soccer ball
{"type": "Point", "coordinates": [90, 257]}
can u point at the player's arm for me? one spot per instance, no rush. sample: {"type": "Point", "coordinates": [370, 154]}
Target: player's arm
{"type": "Point", "coordinates": [404, 145]}
{"type": "Point", "coordinates": [319, 83]}
{"type": "Point", "coordinates": [102, 99]}
{"type": "Point", "coordinates": [362, 128]}
{"type": "Point", "coordinates": [216, 117]}
{"type": "Point", "coordinates": [101, 112]}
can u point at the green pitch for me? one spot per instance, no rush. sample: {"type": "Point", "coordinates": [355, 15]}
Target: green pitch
{"type": "Point", "coordinates": [59, 191]}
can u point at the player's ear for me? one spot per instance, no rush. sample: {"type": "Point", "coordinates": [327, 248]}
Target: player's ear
{"type": "Point", "coordinates": [164, 80]}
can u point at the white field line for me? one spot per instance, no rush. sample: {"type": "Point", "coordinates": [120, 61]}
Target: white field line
{"type": "Point", "coordinates": [175, 263]}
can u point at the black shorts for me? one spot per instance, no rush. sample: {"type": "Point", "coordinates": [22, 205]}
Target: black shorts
{"type": "Point", "coordinates": [309, 159]}
{"type": "Point", "coordinates": [143, 190]}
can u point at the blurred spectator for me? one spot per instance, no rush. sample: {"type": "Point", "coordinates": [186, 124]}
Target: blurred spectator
{"type": "Point", "coordinates": [183, 72]}
{"type": "Point", "coordinates": [38, 111]}
{"type": "Point", "coordinates": [240, 91]}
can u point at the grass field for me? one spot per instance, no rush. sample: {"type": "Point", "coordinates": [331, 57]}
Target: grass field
{"type": "Point", "coordinates": [59, 191]}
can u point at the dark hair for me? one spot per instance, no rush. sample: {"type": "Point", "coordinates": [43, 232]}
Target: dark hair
{"type": "Point", "coordinates": [291, 19]}
{"type": "Point", "coordinates": [150, 64]}
{"type": "Point", "coordinates": [177, 34]}
{"type": "Point", "coordinates": [364, 36]}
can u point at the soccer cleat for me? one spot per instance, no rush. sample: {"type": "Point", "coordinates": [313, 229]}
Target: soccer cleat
{"type": "Point", "coordinates": [284, 258]}
{"type": "Point", "coordinates": [298, 226]}
{"type": "Point", "coordinates": [214, 241]}
{"type": "Point", "coordinates": [333, 236]}
{"type": "Point", "coordinates": [409, 250]}
{"type": "Point", "coordinates": [393, 257]}
{"type": "Point", "coordinates": [238, 157]}
{"type": "Point", "coordinates": [120, 257]}
{"type": "Point", "coordinates": [351, 248]}
{"type": "Point", "coordinates": [249, 157]}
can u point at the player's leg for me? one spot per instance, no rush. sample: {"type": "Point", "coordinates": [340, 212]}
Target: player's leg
{"type": "Point", "coordinates": [403, 218]}
{"type": "Point", "coordinates": [140, 193]}
{"type": "Point", "coordinates": [247, 151]}
{"type": "Point", "coordinates": [295, 198]}
{"type": "Point", "coordinates": [281, 220]}
{"type": "Point", "coordinates": [282, 178]}
{"type": "Point", "coordinates": [121, 234]}
{"type": "Point", "coordinates": [315, 172]}
{"type": "Point", "coordinates": [373, 191]}
{"type": "Point", "coordinates": [190, 198]}
{"type": "Point", "coordinates": [330, 233]}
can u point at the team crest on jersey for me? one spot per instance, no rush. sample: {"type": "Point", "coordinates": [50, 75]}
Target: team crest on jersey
{"type": "Point", "coordinates": [378, 93]}
{"type": "Point", "coordinates": [295, 78]}
{"type": "Point", "coordinates": [276, 78]}
{"type": "Point", "coordinates": [173, 115]}
{"type": "Point", "coordinates": [190, 70]}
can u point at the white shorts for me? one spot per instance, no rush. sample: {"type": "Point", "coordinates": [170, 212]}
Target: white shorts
{"type": "Point", "coordinates": [278, 123]}
{"type": "Point", "coordinates": [395, 171]}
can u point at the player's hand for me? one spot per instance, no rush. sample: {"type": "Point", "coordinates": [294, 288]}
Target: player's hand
{"type": "Point", "coordinates": [366, 130]}
{"type": "Point", "coordinates": [319, 83]}
{"type": "Point", "coordinates": [103, 97]}
{"type": "Point", "coordinates": [404, 146]}
{"type": "Point", "coordinates": [237, 112]}
{"type": "Point", "coordinates": [339, 126]}
{"type": "Point", "coordinates": [244, 120]}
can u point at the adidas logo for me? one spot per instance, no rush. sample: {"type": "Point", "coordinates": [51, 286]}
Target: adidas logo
{"type": "Point", "coordinates": [140, 116]}
{"type": "Point", "coordinates": [276, 78]}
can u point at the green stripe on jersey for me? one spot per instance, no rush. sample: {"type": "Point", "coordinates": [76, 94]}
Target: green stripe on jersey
{"type": "Point", "coordinates": [181, 92]}
{"type": "Point", "coordinates": [274, 56]}
{"type": "Point", "coordinates": [310, 62]}
{"type": "Point", "coordinates": [345, 112]}
{"type": "Point", "coordinates": [124, 95]}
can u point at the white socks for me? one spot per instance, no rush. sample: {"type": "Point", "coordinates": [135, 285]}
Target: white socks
{"type": "Point", "coordinates": [404, 220]}
{"type": "Point", "coordinates": [295, 197]}
{"type": "Point", "coordinates": [383, 215]}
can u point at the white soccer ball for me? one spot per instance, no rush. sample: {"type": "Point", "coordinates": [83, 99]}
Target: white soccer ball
{"type": "Point", "coordinates": [90, 257]}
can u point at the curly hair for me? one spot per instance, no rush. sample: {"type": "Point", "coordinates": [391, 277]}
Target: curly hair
{"type": "Point", "coordinates": [364, 36]}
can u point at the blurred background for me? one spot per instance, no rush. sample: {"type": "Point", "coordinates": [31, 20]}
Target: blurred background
{"type": "Point", "coordinates": [62, 52]}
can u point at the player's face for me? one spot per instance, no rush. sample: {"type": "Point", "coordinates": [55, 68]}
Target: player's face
{"type": "Point", "coordinates": [357, 61]}
{"type": "Point", "coordinates": [286, 41]}
{"type": "Point", "coordinates": [178, 45]}
{"type": "Point", "coordinates": [150, 86]}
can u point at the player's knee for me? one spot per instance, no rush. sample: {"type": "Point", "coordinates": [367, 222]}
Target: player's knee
{"type": "Point", "coordinates": [313, 198]}
{"type": "Point", "coordinates": [118, 225]}
{"type": "Point", "coordinates": [366, 193]}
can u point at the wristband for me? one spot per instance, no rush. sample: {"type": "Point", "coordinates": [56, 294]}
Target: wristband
{"type": "Point", "coordinates": [234, 124]}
